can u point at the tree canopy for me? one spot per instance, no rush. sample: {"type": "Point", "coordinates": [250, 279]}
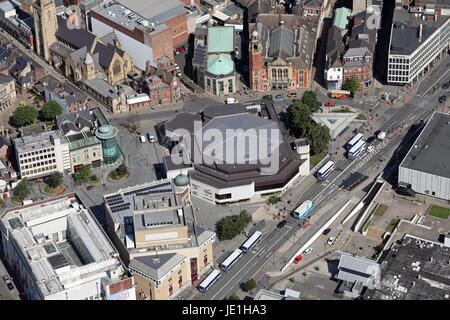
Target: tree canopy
{"type": "Point", "coordinates": [250, 284]}
{"type": "Point", "coordinates": [55, 179]}
{"type": "Point", "coordinates": [51, 109]}
{"type": "Point", "coordinates": [23, 188]}
{"type": "Point", "coordinates": [84, 173]}
{"type": "Point", "coordinates": [24, 115]}
{"type": "Point", "coordinates": [310, 99]}
{"type": "Point", "coordinates": [231, 226]}
{"type": "Point", "coordinates": [352, 85]}
{"type": "Point", "coordinates": [122, 169]}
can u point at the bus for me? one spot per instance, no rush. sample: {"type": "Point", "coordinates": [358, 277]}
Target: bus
{"type": "Point", "coordinates": [356, 150]}
{"type": "Point", "coordinates": [303, 209]}
{"type": "Point", "coordinates": [325, 170]}
{"type": "Point", "coordinates": [232, 258]}
{"type": "Point", "coordinates": [254, 239]}
{"type": "Point", "coordinates": [340, 94]}
{"type": "Point", "coordinates": [354, 140]}
{"type": "Point", "coordinates": [210, 279]}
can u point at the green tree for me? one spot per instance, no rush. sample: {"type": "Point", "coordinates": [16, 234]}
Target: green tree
{"type": "Point", "coordinates": [55, 179]}
{"type": "Point", "coordinates": [268, 97]}
{"type": "Point", "coordinates": [352, 85]}
{"type": "Point", "coordinates": [231, 226]}
{"type": "Point", "coordinates": [234, 297]}
{"type": "Point", "coordinates": [23, 189]}
{"type": "Point", "coordinates": [318, 137]}
{"type": "Point", "coordinates": [310, 99]}
{"type": "Point", "coordinates": [122, 169]}
{"type": "Point", "coordinates": [24, 115]}
{"type": "Point", "coordinates": [273, 199]}
{"type": "Point", "coordinates": [84, 173]}
{"type": "Point", "coordinates": [299, 117]}
{"type": "Point", "coordinates": [250, 284]}
{"type": "Point", "coordinates": [51, 109]}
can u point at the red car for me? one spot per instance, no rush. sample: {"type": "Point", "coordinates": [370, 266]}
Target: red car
{"type": "Point", "coordinates": [180, 49]}
{"type": "Point", "coordinates": [330, 104]}
{"type": "Point", "coordinates": [298, 258]}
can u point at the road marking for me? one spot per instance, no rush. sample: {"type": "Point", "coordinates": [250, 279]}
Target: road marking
{"type": "Point", "coordinates": [434, 84]}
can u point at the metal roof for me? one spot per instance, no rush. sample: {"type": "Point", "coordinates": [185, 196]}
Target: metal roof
{"type": "Point", "coordinates": [220, 64]}
{"type": "Point", "coordinates": [220, 39]}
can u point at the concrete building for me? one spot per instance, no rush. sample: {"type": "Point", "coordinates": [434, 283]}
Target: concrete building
{"type": "Point", "coordinates": [214, 61]}
{"type": "Point", "coordinates": [7, 92]}
{"type": "Point", "coordinates": [415, 269]}
{"type": "Point", "coordinates": [229, 169]}
{"type": "Point", "coordinates": [58, 251]}
{"type": "Point", "coordinates": [155, 221]}
{"type": "Point", "coordinates": [289, 294]}
{"type": "Point", "coordinates": [17, 22]}
{"type": "Point", "coordinates": [281, 51]}
{"type": "Point", "coordinates": [420, 36]}
{"type": "Point", "coordinates": [425, 168]}
{"type": "Point", "coordinates": [39, 155]}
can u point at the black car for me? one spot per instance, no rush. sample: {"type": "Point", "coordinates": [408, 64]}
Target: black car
{"type": "Point", "coordinates": [10, 286]}
{"type": "Point", "coordinates": [5, 277]}
{"type": "Point", "coordinates": [446, 85]}
{"type": "Point", "coordinates": [326, 231]}
{"type": "Point", "coordinates": [442, 99]}
{"type": "Point", "coordinates": [282, 224]}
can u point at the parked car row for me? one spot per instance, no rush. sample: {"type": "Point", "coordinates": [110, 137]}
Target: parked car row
{"type": "Point", "coordinates": [9, 283]}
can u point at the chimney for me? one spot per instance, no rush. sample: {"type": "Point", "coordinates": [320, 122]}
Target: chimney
{"type": "Point", "coordinates": [420, 32]}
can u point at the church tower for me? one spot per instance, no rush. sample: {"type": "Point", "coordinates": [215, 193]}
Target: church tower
{"type": "Point", "coordinates": [45, 25]}
{"type": "Point", "coordinates": [255, 61]}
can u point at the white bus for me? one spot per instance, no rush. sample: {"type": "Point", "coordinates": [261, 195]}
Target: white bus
{"type": "Point", "coordinates": [254, 239]}
{"type": "Point", "coordinates": [303, 209]}
{"type": "Point", "coordinates": [356, 150]}
{"type": "Point", "coordinates": [210, 279]}
{"type": "Point", "coordinates": [325, 170]}
{"type": "Point", "coordinates": [354, 140]}
{"type": "Point", "coordinates": [232, 258]}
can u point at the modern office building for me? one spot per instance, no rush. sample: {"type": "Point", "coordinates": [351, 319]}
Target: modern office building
{"type": "Point", "coordinates": [230, 169]}
{"type": "Point", "coordinates": [39, 155]}
{"type": "Point", "coordinates": [58, 251]}
{"type": "Point", "coordinates": [420, 36]}
{"type": "Point", "coordinates": [426, 168]}
{"type": "Point", "coordinates": [107, 135]}
{"type": "Point", "coordinates": [153, 228]}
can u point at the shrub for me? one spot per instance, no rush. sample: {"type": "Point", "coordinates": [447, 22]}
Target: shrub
{"type": "Point", "coordinates": [23, 188]}
{"type": "Point", "coordinates": [250, 284]}
{"type": "Point", "coordinates": [234, 297]}
{"type": "Point", "coordinates": [50, 110]}
{"type": "Point", "coordinates": [55, 179]}
{"type": "Point", "coordinates": [122, 170]}
{"type": "Point", "coordinates": [231, 226]}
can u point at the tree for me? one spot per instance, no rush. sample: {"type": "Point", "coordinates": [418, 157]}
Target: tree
{"type": "Point", "coordinates": [319, 137]}
{"type": "Point", "coordinates": [268, 97]}
{"type": "Point", "coordinates": [273, 199]}
{"type": "Point", "coordinates": [24, 115]}
{"type": "Point", "coordinates": [51, 109]}
{"type": "Point", "coordinates": [23, 188]}
{"type": "Point", "coordinates": [84, 173]}
{"type": "Point", "coordinates": [352, 85]}
{"type": "Point", "coordinates": [231, 226]}
{"type": "Point", "coordinates": [122, 170]}
{"type": "Point", "coordinates": [299, 117]}
{"type": "Point", "coordinates": [250, 284]}
{"type": "Point", "coordinates": [55, 179]}
{"type": "Point", "coordinates": [234, 297]}
{"type": "Point", "coordinates": [310, 99]}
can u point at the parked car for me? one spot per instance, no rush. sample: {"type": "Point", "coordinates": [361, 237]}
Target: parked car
{"type": "Point", "coordinates": [330, 104]}
{"type": "Point", "coordinates": [298, 259]}
{"type": "Point", "coordinates": [442, 99]}
{"type": "Point", "coordinates": [292, 95]}
{"type": "Point", "coordinates": [282, 224]}
{"type": "Point", "coordinates": [142, 139]}
{"type": "Point", "coordinates": [5, 277]}
{"type": "Point", "coordinates": [151, 136]}
{"type": "Point", "coordinates": [179, 73]}
{"type": "Point", "coordinates": [280, 96]}
{"type": "Point", "coordinates": [326, 231]}
{"type": "Point", "coordinates": [180, 49]}
{"type": "Point", "coordinates": [446, 85]}
{"type": "Point", "coordinates": [369, 148]}
{"type": "Point", "coordinates": [331, 241]}
{"type": "Point", "coordinates": [231, 101]}
{"type": "Point", "coordinates": [10, 285]}
{"type": "Point", "coordinates": [308, 251]}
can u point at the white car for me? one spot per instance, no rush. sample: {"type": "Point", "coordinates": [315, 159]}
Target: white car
{"type": "Point", "coordinates": [331, 241]}
{"type": "Point", "coordinates": [308, 251]}
{"type": "Point", "coordinates": [369, 148]}
{"type": "Point", "coordinates": [142, 139]}
{"type": "Point", "coordinates": [231, 101]}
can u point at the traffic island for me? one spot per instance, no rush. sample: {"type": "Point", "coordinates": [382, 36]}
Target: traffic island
{"type": "Point", "coordinates": [53, 191]}
{"type": "Point", "coordinates": [117, 178]}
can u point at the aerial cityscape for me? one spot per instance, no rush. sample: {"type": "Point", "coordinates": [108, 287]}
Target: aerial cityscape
{"type": "Point", "coordinates": [225, 150]}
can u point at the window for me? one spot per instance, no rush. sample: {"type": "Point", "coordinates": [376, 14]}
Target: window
{"type": "Point", "coordinates": [230, 85]}
{"type": "Point", "coordinates": [280, 73]}
{"type": "Point", "coordinates": [180, 281]}
{"type": "Point", "coordinates": [286, 72]}
{"type": "Point", "coordinates": [274, 73]}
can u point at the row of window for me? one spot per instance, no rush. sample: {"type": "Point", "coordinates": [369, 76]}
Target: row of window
{"type": "Point", "coordinates": [42, 163]}
{"type": "Point", "coordinates": [355, 69]}
{"type": "Point", "coordinates": [45, 156]}
{"type": "Point", "coordinates": [365, 76]}
{"type": "Point", "coordinates": [357, 59]}
{"type": "Point", "coordinates": [398, 73]}
{"type": "Point", "coordinates": [36, 152]}
{"type": "Point", "coordinates": [398, 60]}
{"type": "Point", "coordinates": [25, 173]}
{"type": "Point", "coordinates": [399, 66]}
{"type": "Point", "coordinates": [397, 79]}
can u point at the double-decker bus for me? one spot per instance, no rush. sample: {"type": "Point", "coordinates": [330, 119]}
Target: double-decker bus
{"type": "Point", "coordinates": [231, 259]}
{"type": "Point", "coordinates": [210, 279]}
{"type": "Point", "coordinates": [354, 140]}
{"type": "Point", "coordinates": [254, 239]}
{"type": "Point", "coordinates": [356, 150]}
{"type": "Point", "coordinates": [325, 170]}
{"type": "Point", "coordinates": [303, 209]}
{"type": "Point", "coordinates": [340, 94]}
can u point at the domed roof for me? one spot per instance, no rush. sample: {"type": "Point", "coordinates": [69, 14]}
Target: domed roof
{"type": "Point", "coordinates": [181, 180]}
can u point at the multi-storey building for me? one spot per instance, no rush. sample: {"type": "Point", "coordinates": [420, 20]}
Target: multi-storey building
{"type": "Point", "coordinates": [281, 51]}
{"type": "Point", "coordinates": [58, 251]}
{"type": "Point", "coordinates": [39, 155]}
{"type": "Point", "coordinates": [334, 73]}
{"type": "Point", "coordinates": [17, 22]}
{"type": "Point", "coordinates": [7, 92]}
{"type": "Point", "coordinates": [420, 36]}
{"type": "Point", "coordinates": [152, 227]}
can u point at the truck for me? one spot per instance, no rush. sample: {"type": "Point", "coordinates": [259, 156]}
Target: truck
{"type": "Point", "coordinates": [381, 135]}
{"type": "Point", "coordinates": [151, 136]}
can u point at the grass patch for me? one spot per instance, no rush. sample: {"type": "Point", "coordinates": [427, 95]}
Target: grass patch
{"type": "Point", "coordinates": [345, 110]}
{"type": "Point", "coordinates": [392, 225]}
{"type": "Point", "coordinates": [361, 117]}
{"type": "Point", "coordinates": [439, 212]}
{"type": "Point", "coordinates": [315, 159]}
{"type": "Point", "coordinates": [381, 209]}
{"type": "Point", "coordinates": [410, 200]}
{"type": "Point", "coordinates": [269, 195]}
{"type": "Point", "coordinates": [367, 225]}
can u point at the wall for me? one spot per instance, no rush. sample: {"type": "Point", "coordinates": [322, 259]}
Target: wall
{"type": "Point", "coordinates": [207, 193]}
{"type": "Point", "coordinates": [422, 182]}
{"type": "Point", "coordinates": [179, 28]}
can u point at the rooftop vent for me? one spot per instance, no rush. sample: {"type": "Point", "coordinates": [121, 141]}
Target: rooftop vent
{"type": "Point", "coordinates": [155, 260]}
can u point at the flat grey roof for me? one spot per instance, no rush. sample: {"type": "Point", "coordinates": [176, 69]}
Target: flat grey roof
{"type": "Point", "coordinates": [157, 10]}
{"type": "Point", "coordinates": [156, 266]}
{"type": "Point", "coordinates": [431, 151]}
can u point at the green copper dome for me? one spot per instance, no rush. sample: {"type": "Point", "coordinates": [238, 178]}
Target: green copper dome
{"type": "Point", "coordinates": [181, 180]}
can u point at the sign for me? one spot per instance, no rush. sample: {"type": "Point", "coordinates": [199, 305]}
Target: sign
{"type": "Point", "coordinates": [129, 294]}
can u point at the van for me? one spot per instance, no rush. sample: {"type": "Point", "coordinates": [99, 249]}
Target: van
{"type": "Point", "coordinates": [231, 100]}
{"type": "Point", "coordinates": [25, 202]}
{"type": "Point", "coordinates": [142, 138]}
{"type": "Point", "coordinates": [150, 136]}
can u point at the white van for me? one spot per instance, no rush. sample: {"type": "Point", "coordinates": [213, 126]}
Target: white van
{"type": "Point", "coordinates": [142, 138]}
{"type": "Point", "coordinates": [231, 100]}
{"type": "Point", "coordinates": [150, 136]}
